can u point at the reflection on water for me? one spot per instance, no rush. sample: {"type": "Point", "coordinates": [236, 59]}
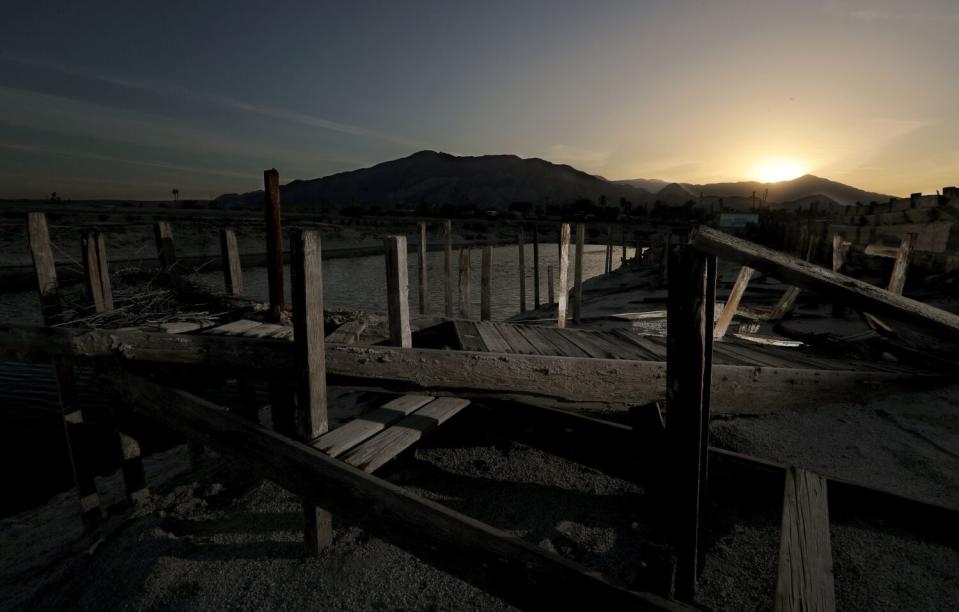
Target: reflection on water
{"type": "Point", "coordinates": [30, 423]}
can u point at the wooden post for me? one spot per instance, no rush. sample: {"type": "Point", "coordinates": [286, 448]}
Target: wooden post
{"type": "Point", "coordinates": [274, 242]}
{"type": "Point", "coordinates": [163, 235]}
{"type": "Point", "coordinates": [44, 266]}
{"type": "Point", "coordinates": [232, 272]}
{"type": "Point", "coordinates": [578, 272]}
{"type": "Point", "coordinates": [398, 291]}
{"type": "Point", "coordinates": [838, 260]}
{"type": "Point", "coordinates": [536, 300]}
{"type": "Point", "coordinates": [549, 285]}
{"type": "Point", "coordinates": [448, 266]}
{"type": "Point", "coordinates": [687, 397]}
{"type": "Point", "coordinates": [106, 287]}
{"type": "Point", "coordinates": [311, 416]}
{"type": "Point", "coordinates": [520, 243]}
{"type": "Point", "coordinates": [464, 283]}
{"type": "Point", "coordinates": [897, 281]}
{"type": "Point", "coordinates": [563, 293]}
{"type": "Point", "coordinates": [732, 302]}
{"type": "Point", "coordinates": [486, 282]}
{"type": "Point", "coordinates": [424, 294]}
{"type": "Point", "coordinates": [91, 269]}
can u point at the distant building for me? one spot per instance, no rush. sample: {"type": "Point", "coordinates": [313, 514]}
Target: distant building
{"type": "Point", "coordinates": [734, 222]}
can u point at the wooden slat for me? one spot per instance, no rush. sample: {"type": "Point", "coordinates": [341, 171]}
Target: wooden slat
{"type": "Point", "coordinates": [584, 342]}
{"type": "Point", "coordinates": [517, 343]}
{"type": "Point", "coordinates": [469, 338]}
{"type": "Point", "coordinates": [648, 351]}
{"type": "Point", "coordinates": [263, 330]}
{"type": "Point", "coordinates": [805, 579]}
{"type": "Point", "coordinates": [345, 437]}
{"type": "Point", "coordinates": [563, 346]}
{"type": "Point", "coordinates": [538, 342]}
{"type": "Point", "coordinates": [489, 333]}
{"type": "Point", "coordinates": [378, 450]}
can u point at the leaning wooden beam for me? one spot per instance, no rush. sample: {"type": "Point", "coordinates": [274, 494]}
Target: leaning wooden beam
{"type": "Point", "coordinates": [805, 275]}
{"type": "Point", "coordinates": [805, 578]}
{"type": "Point", "coordinates": [732, 302]}
{"type": "Point", "coordinates": [397, 291]}
{"type": "Point", "coordinates": [38, 237]}
{"type": "Point", "coordinates": [274, 242]}
{"type": "Point", "coordinates": [230, 254]}
{"type": "Point", "coordinates": [311, 419]}
{"type": "Point", "coordinates": [687, 397]}
{"type": "Point", "coordinates": [500, 563]}
{"type": "Point", "coordinates": [548, 380]}
{"type": "Point", "coordinates": [562, 292]}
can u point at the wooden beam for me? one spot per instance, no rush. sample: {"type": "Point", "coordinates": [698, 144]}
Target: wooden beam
{"type": "Point", "coordinates": [521, 247]}
{"type": "Point", "coordinates": [91, 269]}
{"type": "Point", "coordinates": [311, 419]}
{"type": "Point", "coordinates": [578, 273]}
{"type": "Point", "coordinates": [397, 291]}
{"type": "Point", "coordinates": [897, 281]}
{"type": "Point", "coordinates": [880, 250]}
{"type": "Point", "coordinates": [464, 282]}
{"type": "Point", "coordinates": [274, 242]}
{"type": "Point", "coordinates": [489, 558]}
{"type": "Point", "coordinates": [732, 302]}
{"type": "Point", "coordinates": [230, 254]}
{"type": "Point", "coordinates": [166, 252]}
{"type": "Point", "coordinates": [106, 286]}
{"type": "Point", "coordinates": [536, 297]}
{"type": "Point", "coordinates": [44, 267]}
{"type": "Point", "coordinates": [486, 284]}
{"type": "Point", "coordinates": [805, 275]}
{"type": "Point", "coordinates": [562, 294]}
{"type": "Point", "coordinates": [805, 577]}
{"type": "Point", "coordinates": [687, 398]}
{"type": "Point", "coordinates": [424, 292]}
{"type": "Point", "coordinates": [448, 265]}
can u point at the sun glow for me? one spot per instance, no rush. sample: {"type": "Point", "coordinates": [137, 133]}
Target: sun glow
{"type": "Point", "coordinates": [775, 170]}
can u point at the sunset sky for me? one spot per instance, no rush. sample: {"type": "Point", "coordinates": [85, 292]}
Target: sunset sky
{"type": "Point", "coordinates": [128, 99]}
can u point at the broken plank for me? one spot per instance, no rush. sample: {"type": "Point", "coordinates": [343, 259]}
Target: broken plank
{"type": "Point", "coordinates": [345, 437]}
{"type": "Point", "coordinates": [378, 450]}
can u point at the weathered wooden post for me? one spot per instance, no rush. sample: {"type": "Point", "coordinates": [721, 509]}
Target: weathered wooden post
{"type": "Point", "coordinates": [520, 243]}
{"type": "Point", "coordinates": [464, 282]}
{"type": "Point", "coordinates": [578, 272]}
{"type": "Point", "coordinates": [448, 266]}
{"type": "Point", "coordinates": [549, 285]}
{"type": "Point", "coordinates": [311, 416]}
{"type": "Point", "coordinates": [163, 235]}
{"type": "Point", "coordinates": [897, 281]}
{"type": "Point", "coordinates": [424, 293]}
{"type": "Point", "coordinates": [688, 361]}
{"type": "Point", "coordinates": [106, 287]}
{"type": "Point", "coordinates": [536, 300]}
{"type": "Point", "coordinates": [44, 266]}
{"type": "Point", "coordinates": [563, 291]}
{"type": "Point", "coordinates": [274, 242]}
{"type": "Point", "coordinates": [92, 278]}
{"type": "Point", "coordinates": [398, 292]}
{"type": "Point", "coordinates": [486, 282]}
{"type": "Point", "coordinates": [230, 254]}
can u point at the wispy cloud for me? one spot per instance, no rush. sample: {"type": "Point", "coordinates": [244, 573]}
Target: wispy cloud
{"type": "Point", "coordinates": [177, 91]}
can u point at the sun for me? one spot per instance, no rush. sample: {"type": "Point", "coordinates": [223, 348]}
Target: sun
{"type": "Point", "coordinates": [775, 170]}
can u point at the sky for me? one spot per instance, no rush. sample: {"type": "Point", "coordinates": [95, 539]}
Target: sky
{"type": "Point", "coordinates": [128, 100]}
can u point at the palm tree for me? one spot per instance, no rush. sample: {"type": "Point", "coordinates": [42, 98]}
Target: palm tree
{"type": "Point", "coordinates": [176, 195]}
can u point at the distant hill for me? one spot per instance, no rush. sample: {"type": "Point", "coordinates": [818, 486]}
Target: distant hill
{"type": "Point", "coordinates": [674, 194]}
{"type": "Point", "coordinates": [650, 185]}
{"type": "Point", "coordinates": [435, 178]}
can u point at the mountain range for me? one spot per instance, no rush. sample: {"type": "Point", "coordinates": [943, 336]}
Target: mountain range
{"type": "Point", "coordinates": [496, 181]}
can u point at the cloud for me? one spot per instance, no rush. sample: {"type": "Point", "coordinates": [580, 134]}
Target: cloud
{"type": "Point", "coordinates": [177, 91]}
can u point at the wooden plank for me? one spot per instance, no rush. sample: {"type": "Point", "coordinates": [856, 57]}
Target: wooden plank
{"type": "Point", "coordinates": [578, 273]}
{"type": "Point", "coordinates": [372, 454]}
{"type": "Point", "coordinates": [521, 272]}
{"type": "Point", "coordinates": [423, 284]}
{"type": "Point", "coordinates": [554, 381]}
{"type": "Point", "coordinates": [91, 269]}
{"type": "Point", "coordinates": [563, 291]}
{"type": "Point", "coordinates": [469, 338]}
{"type": "Point", "coordinates": [263, 330]}
{"type": "Point", "coordinates": [486, 283]}
{"type": "Point", "coordinates": [649, 351]}
{"type": "Point", "coordinates": [106, 286]}
{"type": "Point", "coordinates": [502, 564]}
{"type": "Point", "coordinates": [537, 340]}
{"type": "Point", "coordinates": [166, 252]}
{"type": "Point", "coordinates": [805, 275]}
{"type": "Point", "coordinates": [784, 305]}
{"type": "Point", "coordinates": [489, 333]}
{"type": "Point", "coordinates": [805, 577]}
{"type": "Point", "coordinates": [879, 250]}
{"type": "Point", "coordinates": [448, 265]}
{"type": "Point", "coordinates": [465, 283]}
{"type": "Point", "coordinates": [311, 420]}
{"type": "Point", "coordinates": [686, 398]}
{"type": "Point", "coordinates": [563, 346]}
{"type": "Point", "coordinates": [44, 267]}
{"type": "Point", "coordinates": [588, 343]}
{"type": "Point", "coordinates": [274, 242]}
{"type": "Point", "coordinates": [517, 343]}
{"type": "Point", "coordinates": [234, 328]}
{"type": "Point", "coordinates": [397, 292]}
{"type": "Point", "coordinates": [536, 300]}
{"type": "Point", "coordinates": [897, 281]}
{"type": "Point", "coordinates": [345, 437]}
{"type": "Point", "coordinates": [230, 255]}
{"type": "Point", "coordinates": [732, 302]}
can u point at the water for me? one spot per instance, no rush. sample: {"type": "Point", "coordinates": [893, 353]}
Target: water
{"type": "Point", "coordinates": [31, 429]}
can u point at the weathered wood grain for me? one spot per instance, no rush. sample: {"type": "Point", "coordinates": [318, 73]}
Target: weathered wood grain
{"type": "Point", "coordinates": [230, 254]}
{"type": "Point", "coordinates": [397, 291]}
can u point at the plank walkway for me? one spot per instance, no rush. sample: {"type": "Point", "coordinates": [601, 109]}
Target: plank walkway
{"type": "Point", "coordinates": [625, 343]}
